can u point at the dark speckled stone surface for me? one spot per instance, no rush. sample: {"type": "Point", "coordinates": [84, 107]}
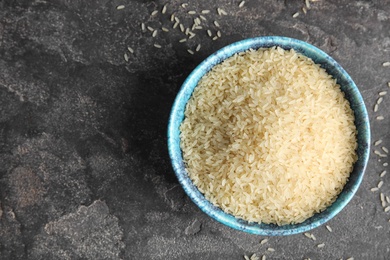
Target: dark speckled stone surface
{"type": "Point", "coordinates": [84, 167]}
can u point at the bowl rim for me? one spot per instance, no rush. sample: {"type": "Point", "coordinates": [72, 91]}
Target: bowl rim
{"type": "Point", "coordinates": [348, 87]}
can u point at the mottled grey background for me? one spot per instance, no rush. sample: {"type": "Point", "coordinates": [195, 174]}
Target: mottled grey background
{"type": "Point", "coordinates": [84, 169]}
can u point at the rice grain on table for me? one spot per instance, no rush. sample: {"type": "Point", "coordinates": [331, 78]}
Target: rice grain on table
{"type": "Point", "coordinates": [271, 249]}
{"type": "Point", "coordinates": [244, 148]}
{"type": "Point", "coordinates": [130, 49]}
{"type": "Point", "coordinates": [265, 258]}
{"type": "Point", "coordinates": [388, 199]}
{"type": "Point", "coordinates": [385, 164]}
{"type": "Point", "coordinates": [154, 13]}
{"type": "Point", "coordinates": [157, 45]}
{"type": "Point", "coordinates": [387, 209]}
{"type": "Point", "coordinates": [380, 184]}
{"type": "Point", "coordinates": [374, 189]}
{"type": "Point", "coordinates": [191, 12]}
{"type": "Point", "coordinates": [154, 34]}
{"type": "Point", "coordinates": [209, 33]}
{"type": "Point", "coordinates": [126, 57]}
{"type": "Point", "coordinates": [164, 9]}
{"type": "Point", "coordinates": [198, 47]}
{"type": "Point", "coordinates": [205, 11]}
{"type": "Point", "coordinates": [262, 242]}
{"type": "Point", "coordinates": [386, 64]}
{"type": "Point", "coordinates": [385, 149]}
{"type": "Point", "coordinates": [219, 34]}
{"type": "Point", "coordinates": [329, 228]}
{"type": "Point", "coordinates": [242, 3]}
{"type": "Point", "coordinates": [376, 107]}
{"type": "Point", "coordinates": [164, 29]}
{"type": "Point", "coordinates": [120, 7]}
{"type": "Point", "coordinates": [379, 118]}
{"type": "Point", "coordinates": [172, 17]}
{"type": "Point", "coordinates": [150, 28]}
{"type": "Point", "coordinates": [383, 173]}
{"type": "Point", "coordinates": [295, 15]}
{"type": "Point", "coordinates": [190, 51]}
{"type": "Point", "coordinates": [378, 142]}
{"type": "Point", "coordinates": [379, 101]}
{"type": "Point", "coordinates": [203, 18]}
{"type": "Point", "coordinates": [321, 245]}
{"type": "Point", "coordinates": [143, 28]}
{"type": "Point", "coordinates": [382, 93]}
{"type": "Point", "coordinates": [216, 24]}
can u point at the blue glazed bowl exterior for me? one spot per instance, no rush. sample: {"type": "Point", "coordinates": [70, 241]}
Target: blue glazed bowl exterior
{"type": "Point", "coordinates": [352, 94]}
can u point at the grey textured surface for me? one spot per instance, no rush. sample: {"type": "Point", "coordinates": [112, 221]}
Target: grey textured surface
{"type": "Point", "coordinates": [84, 169]}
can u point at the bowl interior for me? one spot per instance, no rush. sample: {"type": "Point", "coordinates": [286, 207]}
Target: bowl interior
{"type": "Point", "coordinates": [352, 94]}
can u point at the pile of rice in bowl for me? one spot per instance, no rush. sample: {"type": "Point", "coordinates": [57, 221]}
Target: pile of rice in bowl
{"type": "Point", "coordinates": [269, 137]}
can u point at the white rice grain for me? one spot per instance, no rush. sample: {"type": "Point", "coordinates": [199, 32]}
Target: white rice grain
{"type": "Point", "coordinates": [209, 33]}
{"type": "Point", "coordinates": [205, 11]}
{"type": "Point", "coordinates": [386, 64]}
{"type": "Point", "coordinates": [155, 12]}
{"type": "Point", "coordinates": [164, 29]}
{"type": "Point", "coordinates": [143, 28]}
{"type": "Point", "coordinates": [378, 142]}
{"type": "Point", "coordinates": [172, 17]}
{"type": "Point", "coordinates": [183, 40]}
{"type": "Point", "coordinates": [191, 12]}
{"type": "Point", "coordinates": [157, 45]}
{"type": "Point", "coordinates": [385, 164]}
{"type": "Point", "coordinates": [198, 47]}
{"type": "Point", "coordinates": [271, 249]}
{"type": "Point", "coordinates": [215, 38]}
{"type": "Point", "coordinates": [190, 52]}
{"type": "Point", "coordinates": [379, 118]}
{"type": "Point", "coordinates": [388, 199]}
{"type": "Point", "coordinates": [374, 189]}
{"type": "Point", "coordinates": [329, 228]}
{"type": "Point", "coordinates": [313, 237]}
{"type": "Point", "coordinates": [120, 7]}
{"type": "Point", "coordinates": [175, 25]}
{"type": "Point", "coordinates": [192, 35]}
{"type": "Point", "coordinates": [385, 149]}
{"type": "Point", "coordinates": [216, 24]}
{"type": "Point", "coordinates": [380, 184]}
{"type": "Point", "coordinates": [265, 258]}
{"type": "Point", "coordinates": [321, 245]}
{"type": "Point", "coordinates": [382, 93]}
{"type": "Point", "coordinates": [308, 235]}
{"type": "Point", "coordinates": [242, 3]}
{"type": "Point", "coordinates": [184, 5]}
{"type": "Point", "coordinates": [203, 18]}
{"type": "Point", "coordinates": [150, 28]}
{"type": "Point", "coordinates": [130, 49]}
{"type": "Point", "coordinates": [383, 173]}
{"type": "Point", "coordinates": [307, 4]}
{"type": "Point", "coordinates": [262, 242]}
{"type": "Point", "coordinates": [164, 9]}
{"type": "Point", "coordinates": [387, 209]}
{"type": "Point", "coordinates": [126, 57]}
{"type": "Point", "coordinates": [182, 28]}
{"type": "Point", "coordinates": [154, 34]}
{"type": "Point", "coordinates": [380, 99]}
{"type": "Point", "coordinates": [376, 107]}
{"type": "Point", "coordinates": [295, 15]}
{"type": "Point", "coordinates": [219, 34]}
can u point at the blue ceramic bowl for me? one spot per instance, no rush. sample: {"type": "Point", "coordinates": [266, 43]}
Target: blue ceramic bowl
{"type": "Point", "coordinates": [351, 93]}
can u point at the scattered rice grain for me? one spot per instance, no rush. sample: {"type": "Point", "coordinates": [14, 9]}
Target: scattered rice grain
{"type": "Point", "coordinates": [265, 258]}
{"type": "Point", "coordinates": [386, 64]}
{"type": "Point", "coordinates": [172, 17]}
{"type": "Point", "coordinates": [150, 28]}
{"type": "Point", "coordinates": [215, 38]}
{"type": "Point", "coordinates": [387, 209]}
{"type": "Point", "coordinates": [203, 18]}
{"type": "Point", "coordinates": [378, 142]}
{"type": "Point", "coordinates": [385, 149]}
{"type": "Point", "coordinates": [164, 29]}
{"type": "Point", "coordinates": [382, 174]}
{"type": "Point", "coordinates": [216, 24]}
{"type": "Point", "coordinates": [254, 257]}
{"type": "Point", "coordinates": [198, 47]}
{"type": "Point", "coordinates": [307, 4]}
{"type": "Point", "coordinates": [191, 12]}
{"type": "Point", "coordinates": [374, 189]}
{"type": "Point", "coordinates": [190, 52]}
{"type": "Point", "coordinates": [388, 84]}
{"type": "Point", "coordinates": [321, 245]}
{"type": "Point", "coordinates": [154, 34]}
{"type": "Point", "coordinates": [192, 35]}
{"type": "Point", "coordinates": [262, 242]}
{"type": "Point", "coordinates": [242, 3]}
{"type": "Point", "coordinates": [130, 49]}
{"type": "Point", "coordinates": [380, 99]}
{"type": "Point", "coordinates": [219, 34]}
{"type": "Point", "coordinates": [304, 10]}
{"type": "Point", "coordinates": [380, 154]}
{"type": "Point", "coordinates": [182, 28]}
{"type": "Point", "coordinates": [175, 25]}
{"type": "Point", "coordinates": [351, 258]}
{"type": "Point", "coordinates": [126, 57]}
{"type": "Point", "coordinates": [380, 184]}
{"type": "Point", "coordinates": [380, 118]}
{"type": "Point", "coordinates": [385, 164]}
{"type": "Point", "coordinates": [164, 9]}
{"type": "Point", "coordinates": [205, 11]}
{"type": "Point", "coordinates": [295, 15]}
{"type": "Point", "coordinates": [388, 199]}
{"type": "Point", "coordinates": [271, 249]}
{"type": "Point", "coordinates": [154, 13]}
{"type": "Point", "coordinates": [177, 19]}
{"type": "Point", "coordinates": [209, 33]}
{"type": "Point", "coordinates": [313, 237]}
{"type": "Point", "coordinates": [376, 107]}
{"type": "Point", "coordinates": [246, 257]}
{"type": "Point", "coordinates": [198, 27]}
{"type": "Point", "coordinates": [382, 93]}
{"type": "Point", "coordinates": [329, 228]}
{"type": "Point", "coordinates": [184, 5]}
{"type": "Point", "coordinates": [183, 40]}
{"type": "Point", "coordinates": [187, 31]}
{"type": "Point", "coordinates": [157, 45]}
{"type": "Point", "coordinates": [143, 28]}
{"type": "Point", "coordinates": [120, 7]}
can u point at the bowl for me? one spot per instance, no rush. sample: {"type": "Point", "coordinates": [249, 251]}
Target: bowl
{"type": "Point", "coordinates": [352, 94]}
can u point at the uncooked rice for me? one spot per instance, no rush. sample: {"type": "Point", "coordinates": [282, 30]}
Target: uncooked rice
{"type": "Point", "coordinates": [269, 137]}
